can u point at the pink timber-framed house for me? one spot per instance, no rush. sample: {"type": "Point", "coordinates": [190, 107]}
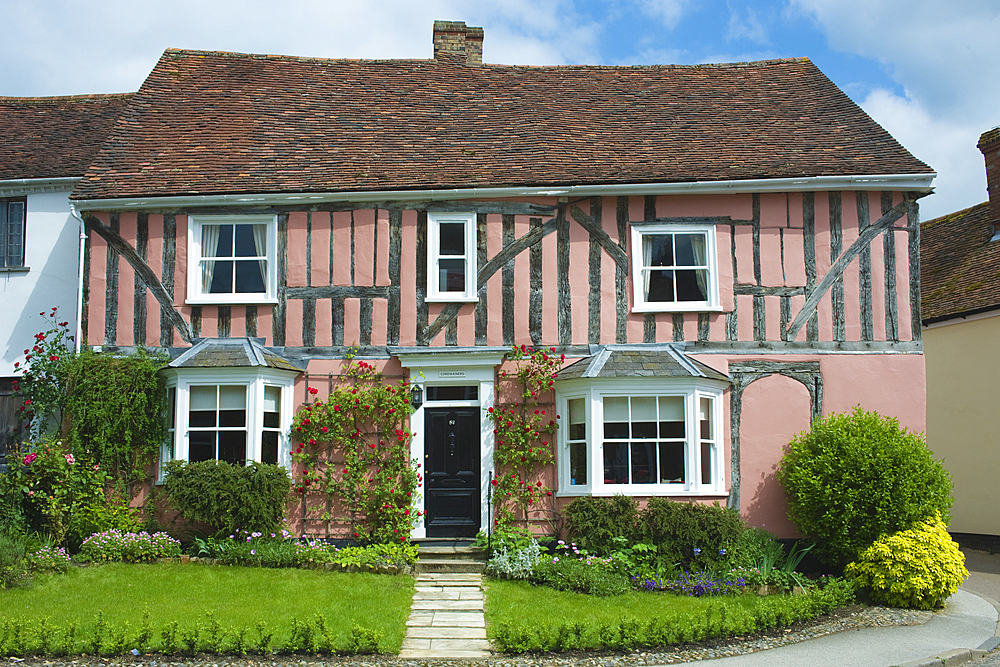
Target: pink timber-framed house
{"type": "Point", "coordinates": [722, 252]}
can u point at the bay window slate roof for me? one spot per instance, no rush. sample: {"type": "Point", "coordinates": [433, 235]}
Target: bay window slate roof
{"type": "Point", "coordinates": [223, 123]}
{"type": "Point", "coordinates": [54, 137]}
{"type": "Point", "coordinates": [959, 265]}
{"type": "Point", "coordinates": [231, 353]}
{"type": "Point", "coordinates": [662, 361]}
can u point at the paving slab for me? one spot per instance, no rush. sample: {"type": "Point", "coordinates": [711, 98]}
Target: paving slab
{"type": "Point", "coordinates": [438, 653]}
{"type": "Point", "coordinates": [458, 619]}
{"type": "Point", "coordinates": [446, 594]}
{"type": "Point", "coordinates": [447, 605]}
{"type": "Point", "coordinates": [446, 632]}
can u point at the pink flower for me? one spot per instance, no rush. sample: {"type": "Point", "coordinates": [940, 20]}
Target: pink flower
{"type": "Point", "coordinates": [30, 458]}
{"type": "Point", "coordinates": [69, 459]}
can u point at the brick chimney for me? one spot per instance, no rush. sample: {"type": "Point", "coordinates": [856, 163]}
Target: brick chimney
{"type": "Point", "coordinates": [455, 39]}
{"type": "Point", "coordinates": [989, 144]}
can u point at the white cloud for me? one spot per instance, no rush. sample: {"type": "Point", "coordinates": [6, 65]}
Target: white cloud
{"type": "Point", "coordinates": [669, 12]}
{"type": "Point", "coordinates": [949, 147]}
{"type": "Point", "coordinates": [946, 59]}
{"type": "Point", "coordinates": [746, 25]}
{"type": "Point", "coordinates": [62, 47]}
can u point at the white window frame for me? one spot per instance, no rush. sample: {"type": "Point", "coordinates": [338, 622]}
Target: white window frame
{"type": "Point", "coordinates": [639, 303]}
{"type": "Point", "coordinates": [594, 391]}
{"type": "Point", "coordinates": [434, 292]}
{"type": "Point", "coordinates": [255, 379]}
{"type": "Point", "coordinates": [195, 295]}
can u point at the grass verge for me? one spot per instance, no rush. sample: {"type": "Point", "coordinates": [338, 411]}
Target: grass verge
{"type": "Point", "coordinates": [522, 618]}
{"type": "Point", "coordinates": [107, 605]}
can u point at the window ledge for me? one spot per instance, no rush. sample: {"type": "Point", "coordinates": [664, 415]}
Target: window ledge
{"type": "Point", "coordinates": [15, 269]}
{"type": "Point", "coordinates": [451, 299]}
{"type": "Point", "coordinates": [632, 491]}
{"type": "Point", "coordinates": [642, 308]}
{"type": "Point", "coordinates": [256, 301]}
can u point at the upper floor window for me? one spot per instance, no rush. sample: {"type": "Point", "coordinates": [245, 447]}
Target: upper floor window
{"type": "Point", "coordinates": [12, 233]}
{"type": "Point", "coordinates": [674, 268]}
{"type": "Point", "coordinates": [232, 259]}
{"type": "Point", "coordinates": [451, 257]}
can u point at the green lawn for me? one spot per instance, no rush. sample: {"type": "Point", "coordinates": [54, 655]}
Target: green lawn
{"type": "Point", "coordinates": [521, 617]}
{"type": "Point", "coordinates": [237, 596]}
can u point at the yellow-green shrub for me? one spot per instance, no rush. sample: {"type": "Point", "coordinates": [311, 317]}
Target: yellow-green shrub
{"type": "Point", "coordinates": [919, 567]}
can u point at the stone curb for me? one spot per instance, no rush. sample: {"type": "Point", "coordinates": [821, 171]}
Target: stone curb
{"type": "Point", "coordinates": [956, 656]}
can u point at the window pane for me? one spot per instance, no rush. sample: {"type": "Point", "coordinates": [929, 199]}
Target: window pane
{"type": "Point", "coordinates": [222, 277]}
{"type": "Point", "coordinates": [657, 250]}
{"type": "Point", "coordinates": [692, 285]}
{"type": "Point", "coordinates": [250, 277]}
{"type": "Point", "coordinates": [203, 398]}
{"type": "Point", "coordinates": [660, 286]}
{"type": "Point", "coordinates": [672, 429]}
{"type": "Point", "coordinates": [452, 238]}
{"type": "Point", "coordinates": [202, 446]}
{"type": "Point", "coordinates": [643, 463]}
{"type": "Point", "coordinates": [705, 418]}
{"type": "Point", "coordinates": [616, 463]}
{"type": "Point", "coordinates": [578, 463]}
{"type": "Point", "coordinates": [707, 449]}
{"type": "Point", "coordinates": [690, 249]}
{"type": "Point", "coordinates": [233, 446]}
{"type": "Point", "coordinates": [232, 418]}
{"type": "Point", "coordinates": [272, 420]}
{"type": "Point", "coordinates": [272, 399]}
{"type": "Point", "coordinates": [451, 275]}
{"type": "Point", "coordinates": [269, 446]}
{"type": "Point", "coordinates": [577, 419]}
{"type": "Point", "coordinates": [171, 407]}
{"type": "Point", "coordinates": [453, 393]}
{"type": "Point", "coordinates": [232, 397]}
{"type": "Point", "coordinates": [224, 246]}
{"type": "Point", "coordinates": [616, 409]}
{"type": "Point", "coordinates": [671, 408]}
{"type": "Point", "coordinates": [644, 417]}
{"type": "Point", "coordinates": [246, 245]}
{"type": "Point", "coordinates": [671, 462]}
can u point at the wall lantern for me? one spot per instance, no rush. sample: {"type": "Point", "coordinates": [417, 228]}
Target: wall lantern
{"type": "Point", "coordinates": [416, 396]}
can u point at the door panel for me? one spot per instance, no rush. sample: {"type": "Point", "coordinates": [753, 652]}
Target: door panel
{"type": "Point", "coordinates": [451, 471]}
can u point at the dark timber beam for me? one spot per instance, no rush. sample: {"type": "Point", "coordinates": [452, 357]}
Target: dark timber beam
{"type": "Point", "coordinates": [142, 269]}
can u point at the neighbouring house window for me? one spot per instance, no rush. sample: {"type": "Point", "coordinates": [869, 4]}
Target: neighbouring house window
{"type": "Point", "coordinates": [232, 259]}
{"type": "Point", "coordinates": [240, 417]}
{"type": "Point", "coordinates": [674, 268]}
{"type": "Point", "coordinates": [658, 439]}
{"type": "Point", "coordinates": [12, 212]}
{"type": "Point", "coordinates": [451, 257]}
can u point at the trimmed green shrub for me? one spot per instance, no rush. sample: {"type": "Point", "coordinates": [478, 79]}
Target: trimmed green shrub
{"type": "Point", "coordinates": [12, 563]}
{"type": "Point", "coordinates": [691, 535]}
{"type": "Point", "coordinates": [229, 498]}
{"type": "Point", "coordinates": [854, 477]}
{"type": "Point", "coordinates": [920, 567]}
{"type": "Point", "coordinates": [594, 523]}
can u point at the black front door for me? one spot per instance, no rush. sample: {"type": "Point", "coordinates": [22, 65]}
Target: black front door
{"type": "Point", "coordinates": [451, 471]}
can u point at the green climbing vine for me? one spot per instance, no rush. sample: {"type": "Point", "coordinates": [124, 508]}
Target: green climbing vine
{"type": "Point", "coordinates": [525, 432]}
{"type": "Point", "coordinates": [354, 449]}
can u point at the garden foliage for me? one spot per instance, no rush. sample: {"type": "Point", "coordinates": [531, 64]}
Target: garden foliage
{"type": "Point", "coordinates": [355, 450]}
{"type": "Point", "coordinates": [255, 549]}
{"type": "Point", "coordinates": [855, 477]}
{"type": "Point", "coordinates": [514, 562]}
{"type": "Point", "coordinates": [685, 535]}
{"type": "Point", "coordinates": [228, 498]}
{"type": "Point", "coordinates": [725, 616]}
{"type": "Point", "coordinates": [524, 432]}
{"type": "Point", "coordinates": [115, 546]}
{"type": "Point", "coordinates": [919, 567]}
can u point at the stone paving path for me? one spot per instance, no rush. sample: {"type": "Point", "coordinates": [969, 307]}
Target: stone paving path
{"type": "Point", "coordinates": [446, 619]}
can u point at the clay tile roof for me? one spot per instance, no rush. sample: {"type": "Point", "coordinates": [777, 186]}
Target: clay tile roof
{"type": "Point", "coordinates": [959, 265]}
{"type": "Point", "coordinates": [210, 123]}
{"type": "Point", "coordinates": [52, 137]}
{"type": "Point", "coordinates": [656, 361]}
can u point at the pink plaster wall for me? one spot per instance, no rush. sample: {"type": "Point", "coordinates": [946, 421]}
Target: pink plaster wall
{"type": "Point", "coordinates": [775, 408]}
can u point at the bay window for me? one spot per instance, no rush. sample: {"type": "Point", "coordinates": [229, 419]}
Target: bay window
{"type": "Point", "coordinates": [638, 437]}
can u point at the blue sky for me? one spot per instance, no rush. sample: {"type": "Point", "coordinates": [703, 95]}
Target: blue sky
{"type": "Point", "coordinates": [928, 71]}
